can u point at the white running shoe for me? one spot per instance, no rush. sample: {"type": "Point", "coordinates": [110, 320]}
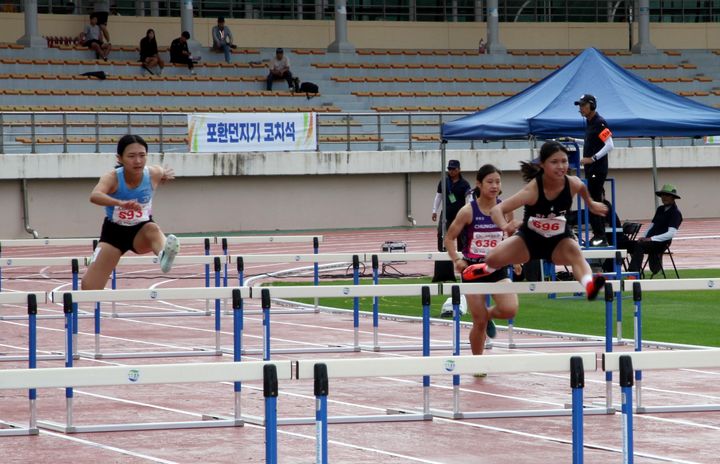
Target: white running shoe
{"type": "Point", "coordinates": [167, 255]}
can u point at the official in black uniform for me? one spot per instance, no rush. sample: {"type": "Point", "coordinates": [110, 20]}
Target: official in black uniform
{"type": "Point", "coordinates": [597, 144]}
{"type": "Point", "coordinates": [457, 191]}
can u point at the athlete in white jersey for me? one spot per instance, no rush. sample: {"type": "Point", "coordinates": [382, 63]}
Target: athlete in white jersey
{"type": "Point", "coordinates": [126, 193]}
{"type": "Point", "coordinates": [481, 236]}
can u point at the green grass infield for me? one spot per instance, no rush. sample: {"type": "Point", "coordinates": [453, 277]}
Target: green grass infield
{"type": "Point", "coordinates": [687, 317]}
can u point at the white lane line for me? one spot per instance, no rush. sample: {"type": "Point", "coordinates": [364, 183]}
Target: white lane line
{"type": "Point", "coordinates": [362, 448]}
{"type": "Point", "coordinates": [565, 441]}
{"type": "Point", "coordinates": [678, 421]}
{"type": "Point", "coordinates": [106, 447]}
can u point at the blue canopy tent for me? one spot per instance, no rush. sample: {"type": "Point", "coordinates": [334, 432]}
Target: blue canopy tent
{"type": "Point", "coordinates": [632, 106]}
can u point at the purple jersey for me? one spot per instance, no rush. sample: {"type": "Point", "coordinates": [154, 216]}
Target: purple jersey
{"type": "Point", "coordinates": [481, 235]}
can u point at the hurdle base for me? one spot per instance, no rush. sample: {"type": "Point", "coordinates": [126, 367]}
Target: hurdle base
{"type": "Point", "coordinates": [391, 416]}
{"type": "Point", "coordinates": [150, 354]}
{"type": "Point", "coordinates": [199, 312]}
{"type": "Point", "coordinates": [319, 349]}
{"type": "Point", "coordinates": [9, 429]}
{"type": "Point", "coordinates": [517, 413]}
{"type": "Point", "coordinates": [63, 428]}
{"type": "Point", "coordinates": [568, 344]}
{"type": "Point", "coordinates": [42, 357]}
{"type": "Point", "coordinates": [379, 348]}
{"type": "Point", "coordinates": [671, 409]}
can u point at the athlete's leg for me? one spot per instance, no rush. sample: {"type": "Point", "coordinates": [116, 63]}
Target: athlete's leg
{"type": "Point", "coordinates": [149, 238]}
{"type": "Point", "coordinates": [510, 251]}
{"type": "Point", "coordinates": [567, 252]}
{"type": "Point", "coordinates": [104, 260]}
{"type": "Point", "coordinates": [480, 318]}
{"type": "Point", "coordinates": [506, 305]}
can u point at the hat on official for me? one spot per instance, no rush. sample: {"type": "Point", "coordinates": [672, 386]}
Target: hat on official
{"type": "Point", "coordinates": [668, 189]}
{"type": "Point", "coordinates": [586, 98]}
{"type": "Point", "coordinates": [453, 164]}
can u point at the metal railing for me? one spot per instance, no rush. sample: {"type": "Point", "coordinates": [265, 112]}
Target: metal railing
{"type": "Point", "coordinates": [78, 132]}
{"type": "Point", "coordinates": [387, 10]}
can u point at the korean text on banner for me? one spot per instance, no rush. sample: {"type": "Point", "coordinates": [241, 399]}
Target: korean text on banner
{"type": "Point", "coordinates": [242, 132]}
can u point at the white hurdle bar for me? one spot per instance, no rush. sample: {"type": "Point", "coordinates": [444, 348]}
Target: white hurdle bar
{"type": "Point", "coordinates": [425, 367]}
{"type": "Point", "coordinates": [155, 294]}
{"type": "Point", "coordinates": [134, 376]}
{"type": "Point", "coordinates": [207, 260]}
{"type": "Point", "coordinates": [332, 291]}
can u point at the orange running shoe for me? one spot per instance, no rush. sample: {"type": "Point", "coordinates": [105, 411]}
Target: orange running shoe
{"type": "Point", "coordinates": [475, 272]}
{"type": "Point", "coordinates": [593, 288]}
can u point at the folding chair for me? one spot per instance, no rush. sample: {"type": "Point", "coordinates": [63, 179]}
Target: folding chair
{"type": "Point", "coordinates": [667, 252]}
{"type": "Point", "coordinates": [630, 230]}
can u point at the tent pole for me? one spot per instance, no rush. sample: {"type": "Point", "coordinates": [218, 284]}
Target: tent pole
{"type": "Point", "coordinates": [444, 270]}
{"type": "Point", "coordinates": [654, 173]}
{"type": "Point", "coordinates": [443, 179]}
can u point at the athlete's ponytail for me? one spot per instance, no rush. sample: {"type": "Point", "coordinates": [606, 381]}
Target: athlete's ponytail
{"type": "Point", "coordinates": [531, 170]}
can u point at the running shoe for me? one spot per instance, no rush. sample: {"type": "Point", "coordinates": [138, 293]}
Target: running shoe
{"type": "Point", "coordinates": [480, 375]}
{"type": "Point", "coordinates": [475, 272]}
{"type": "Point", "coordinates": [593, 288]}
{"type": "Point", "coordinates": [167, 255]}
{"type": "Point", "coordinates": [491, 330]}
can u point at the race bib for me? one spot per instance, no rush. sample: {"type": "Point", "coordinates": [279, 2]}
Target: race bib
{"type": "Point", "coordinates": [129, 217]}
{"type": "Point", "coordinates": [547, 227]}
{"type": "Point", "coordinates": [483, 242]}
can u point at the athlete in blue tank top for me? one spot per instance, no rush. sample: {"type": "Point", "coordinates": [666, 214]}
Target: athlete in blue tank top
{"type": "Point", "coordinates": [481, 236]}
{"type": "Point", "coordinates": [142, 194]}
{"type": "Point", "coordinates": [126, 193]}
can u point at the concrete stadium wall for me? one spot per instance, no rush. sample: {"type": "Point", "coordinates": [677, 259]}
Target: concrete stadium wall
{"type": "Point", "coordinates": [128, 30]}
{"type": "Point", "coordinates": [305, 191]}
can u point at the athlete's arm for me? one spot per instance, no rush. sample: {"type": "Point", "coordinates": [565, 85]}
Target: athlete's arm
{"type": "Point", "coordinates": [101, 193]}
{"type": "Point", "coordinates": [160, 175]}
{"type": "Point", "coordinates": [499, 212]}
{"type": "Point", "coordinates": [463, 218]}
{"type": "Point", "coordinates": [577, 187]}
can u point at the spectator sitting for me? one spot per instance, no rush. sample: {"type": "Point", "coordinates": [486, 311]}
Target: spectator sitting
{"type": "Point", "coordinates": [149, 55]}
{"type": "Point", "coordinates": [279, 68]}
{"type": "Point", "coordinates": [180, 53]}
{"type": "Point", "coordinates": [222, 38]}
{"type": "Point", "coordinates": [665, 225]}
{"type": "Point", "coordinates": [482, 47]}
{"type": "Point", "coordinates": [92, 38]}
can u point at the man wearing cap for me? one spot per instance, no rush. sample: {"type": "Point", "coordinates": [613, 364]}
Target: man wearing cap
{"type": "Point", "coordinates": [457, 193]}
{"type": "Point", "coordinates": [597, 144]}
{"type": "Point", "coordinates": [279, 68]}
{"type": "Point", "coordinates": [665, 225]}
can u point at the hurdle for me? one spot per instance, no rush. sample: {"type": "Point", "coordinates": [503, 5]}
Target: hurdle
{"type": "Point", "coordinates": [515, 288]}
{"type": "Point", "coordinates": [626, 362]}
{"type": "Point", "coordinates": [575, 364]}
{"type": "Point", "coordinates": [31, 299]}
{"type": "Point", "coordinates": [135, 376]}
{"type": "Point", "coordinates": [666, 285]}
{"type": "Point", "coordinates": [425, 294]}
{"type": "Point", "coordinates": [331, 291]}
{"type": "Point", "coordinates": [157, 294]}
{"type": "Point", "coordinates": [72, 262]}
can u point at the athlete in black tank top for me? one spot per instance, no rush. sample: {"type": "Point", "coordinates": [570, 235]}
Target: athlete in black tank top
{"type": "Point", "coordinates": [550, 209]}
